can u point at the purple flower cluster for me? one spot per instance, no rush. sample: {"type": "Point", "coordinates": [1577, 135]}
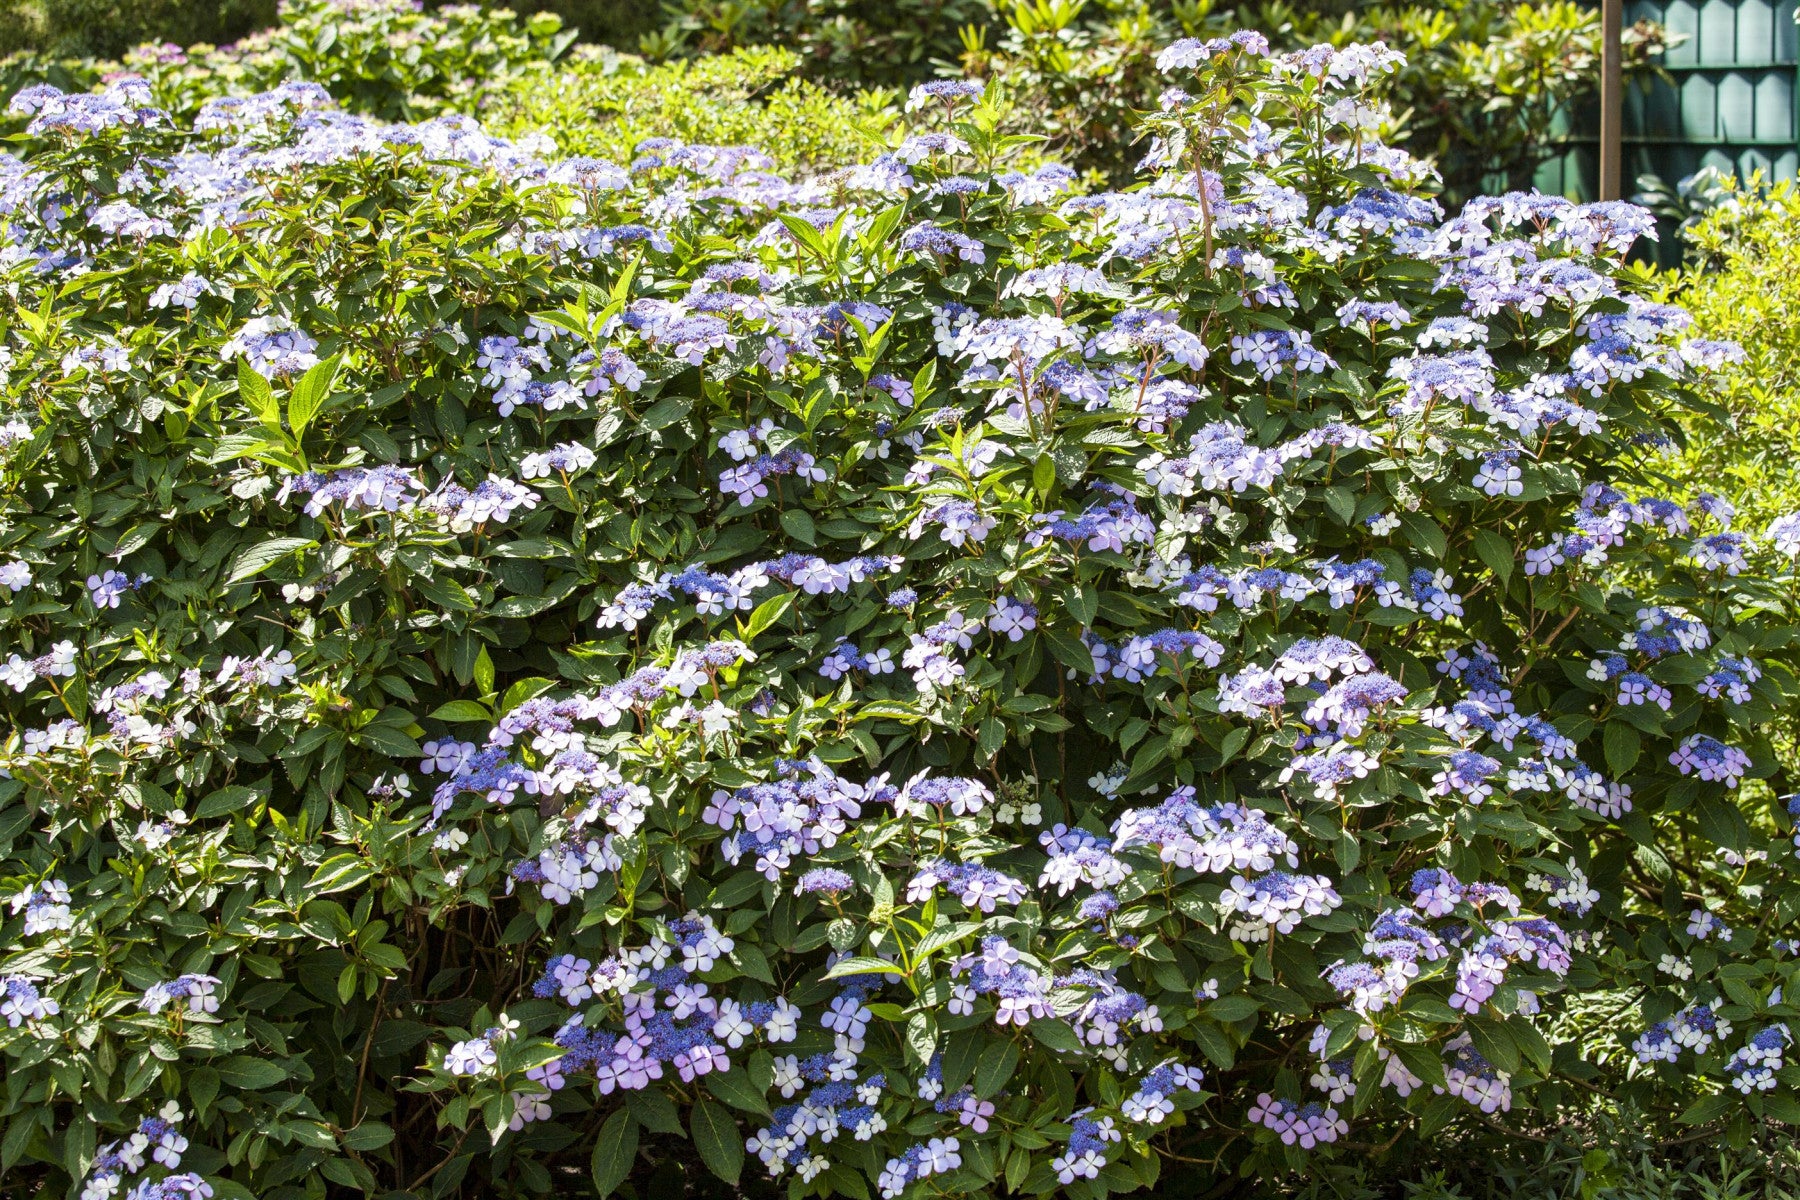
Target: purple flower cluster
{"type": "Point", "coordinates": [1711, 759]}
{"type": "Point", "coordinates": [668, 1018]}
{"type": "Point", "coordinates": [803, 810]}
{"type": "Point", "coordinates": [21, 1003]}
{"type": "Point", "coordinates": [975, 886]}
{"type": "Point", "coordinates": [1183, 833]}
{"type": "Point", "coordinates": [1021, 992]}
{"type": "Point", "coordinates": [1305, 1125]}
{"type": "Point", "coordinates": [198, 992]}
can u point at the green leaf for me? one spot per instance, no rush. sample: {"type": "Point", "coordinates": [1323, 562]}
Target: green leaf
{"type": "Point", "coordinates": [799, 526]}
{"type": "Point", "coordinates": [1722, 824]}
{"type": "Point", "coordinates": [202, 1087]}
{"type": "Point", "coordinates": [339, 873]}
{"type": "Point", "coordinates": [446, 594]}
{"type": "Point", "coordinates": [1710, 1108]}
{"type": "Point", "coordinates": [1531, 1043]}
{"type": "Point", "coordinates": [18, 1137]}
{"type": "Point", "coordinates": [258, 396]}
{"type": "Point", "coordinates": [1623, 745]}
{"type": "Point", "coordinates": [736, 1088]}
{"type": "Point", "coordinates": [1422, 1060]}
{"type": "Point", "coordinates": [1494, 1042]}
{"type": "Point", "coordinates": [921, 1036]}
{"type": "Point", "coordinates": [766, 614]}
{"type": "Point", "coordinates": [523, 690]}
{"type": "Point", "coordinates": [1496, 552]}
{"type": "Point", "coordinates": [226, 799]}
{"type": "Point", "coordinates": [1083, 604]}
{"type": "Point", "coordinates": [614, 1151]}
{"type": "Point", "coordinates": [862, 964]}
{"type": "Point", "coordinates": [717, 1138]}
{"type": "Point", "coordinates": [805, 234]}
{"type": "Point", "coordinates": [135, 539]}
{"type": "Point", "coordinates": [1233, 742]}
{"type": "Point", "coordinates": [250, 1074]}
{"type": "Point", "coordinates": [666, 412]}
{"type": "Point", "coordinates": [996, 1067]}
{"type": "Point", "coordinates": [1070, 649]}
{"type": "Point", "coordinates": [655, 1111]}
{"type": "Point", "coordinates": [1228, 1009]}
{"type": "Point", "coordinates": [1781, 1107]}
{"type": "Point", "coordinates": [311, 393]}
{"type": "Point", "coordinates": [254, 560]}
{"type": "Point", "coordinates": [937, 939]}
{"type": "Point", "coordinates": [462, 710]}
{"type": "Point", "coordinates": [370, 1135]}
{"type": "Point", "coordinates": [1055, 1034]}
{"type": "Point", "coordinates": [735, 890]}
{"type": "Point", "coordinates": [753, 962]}
{"type": "Point", "coordinates": [1212, 1043]}
{"type": "Point", "coordinates": [1421, 531]}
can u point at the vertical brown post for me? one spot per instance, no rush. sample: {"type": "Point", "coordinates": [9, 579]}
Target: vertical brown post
{"type": "Point", "coordinates": [1612, 100]}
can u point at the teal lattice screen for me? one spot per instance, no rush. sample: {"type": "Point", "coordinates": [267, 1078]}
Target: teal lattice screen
{"type": "Point", "coordinates": [1730, 101]}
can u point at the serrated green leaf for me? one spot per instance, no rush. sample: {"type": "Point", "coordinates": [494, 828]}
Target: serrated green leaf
{"type": "Point", "coordinates": [311, 393]}
{"type": "Point", "coordinates": [1496, 552]}
{"type": "Point", "coordinates": [614, 1151]}
{"type": "Point", "coordinates": [717, 1138]}
{"type": "Point", "coordinates": [254, 560]}
{"type": "Point", "coordinates": [339, 873]}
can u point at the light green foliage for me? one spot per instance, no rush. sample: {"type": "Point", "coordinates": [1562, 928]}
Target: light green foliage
{"type": "Point", "coordinates": [858, 42]}
{"type": "Point", "coordinates": [596, 102]}
{"type": "Point", "coordinates": [1743, 286]}
{"type": "Point", "coordinates": [380, 58]}
{"type": "Point", "coordinates": [519, 77]}
{"type": "Point", "coordinates": [1489, 85]}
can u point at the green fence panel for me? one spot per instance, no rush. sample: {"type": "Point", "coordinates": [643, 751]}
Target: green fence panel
{"type": "Point", "coordinates": [1729, 100]}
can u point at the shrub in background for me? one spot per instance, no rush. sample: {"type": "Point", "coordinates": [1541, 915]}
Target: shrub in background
{"type": "Point", "coordinates": [862, 43]}
{"type": "Point", "coordinates": [386, 58]}
{"type": "Point", "coordinates": [1489, 89]}
{"type": "Point", "coordinates": [521, 78]}
{"type": "Point", "coordinates": [524, 671]}
{"type": "Point", "coordinates": [1739, 284]}
{"type": "Point", "coordinates": [593, 101]}
{"type": "Point", "coordinates": [108, 28]}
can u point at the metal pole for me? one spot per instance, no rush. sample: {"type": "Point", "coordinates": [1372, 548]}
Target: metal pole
{"type": "Point", "coordinates": [1612, 100]}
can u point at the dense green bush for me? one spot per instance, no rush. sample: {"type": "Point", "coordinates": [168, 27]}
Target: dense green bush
{"type": "Point", "coordinates": [1489, 89]}
{"type": "Point", "coordinates": [522, 78]}
{"type": "Point", "coordinates": [1741, 284]}
{"type": "Point", "coordinates": [596, 102]}
{"type": "Point", "coordinates": [386, 58]}
{"type": "Point", "coordinates": [861, 42]}
{"type": "Point", "coordinates": [107, 28]}
{"type": "Point", "coordinates": [521, 671]}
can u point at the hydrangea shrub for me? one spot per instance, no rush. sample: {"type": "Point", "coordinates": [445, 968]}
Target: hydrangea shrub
{"type": "Point", "coordinates": [525, 80]}
{"type": "Point", "coordinates": [911, 681]}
